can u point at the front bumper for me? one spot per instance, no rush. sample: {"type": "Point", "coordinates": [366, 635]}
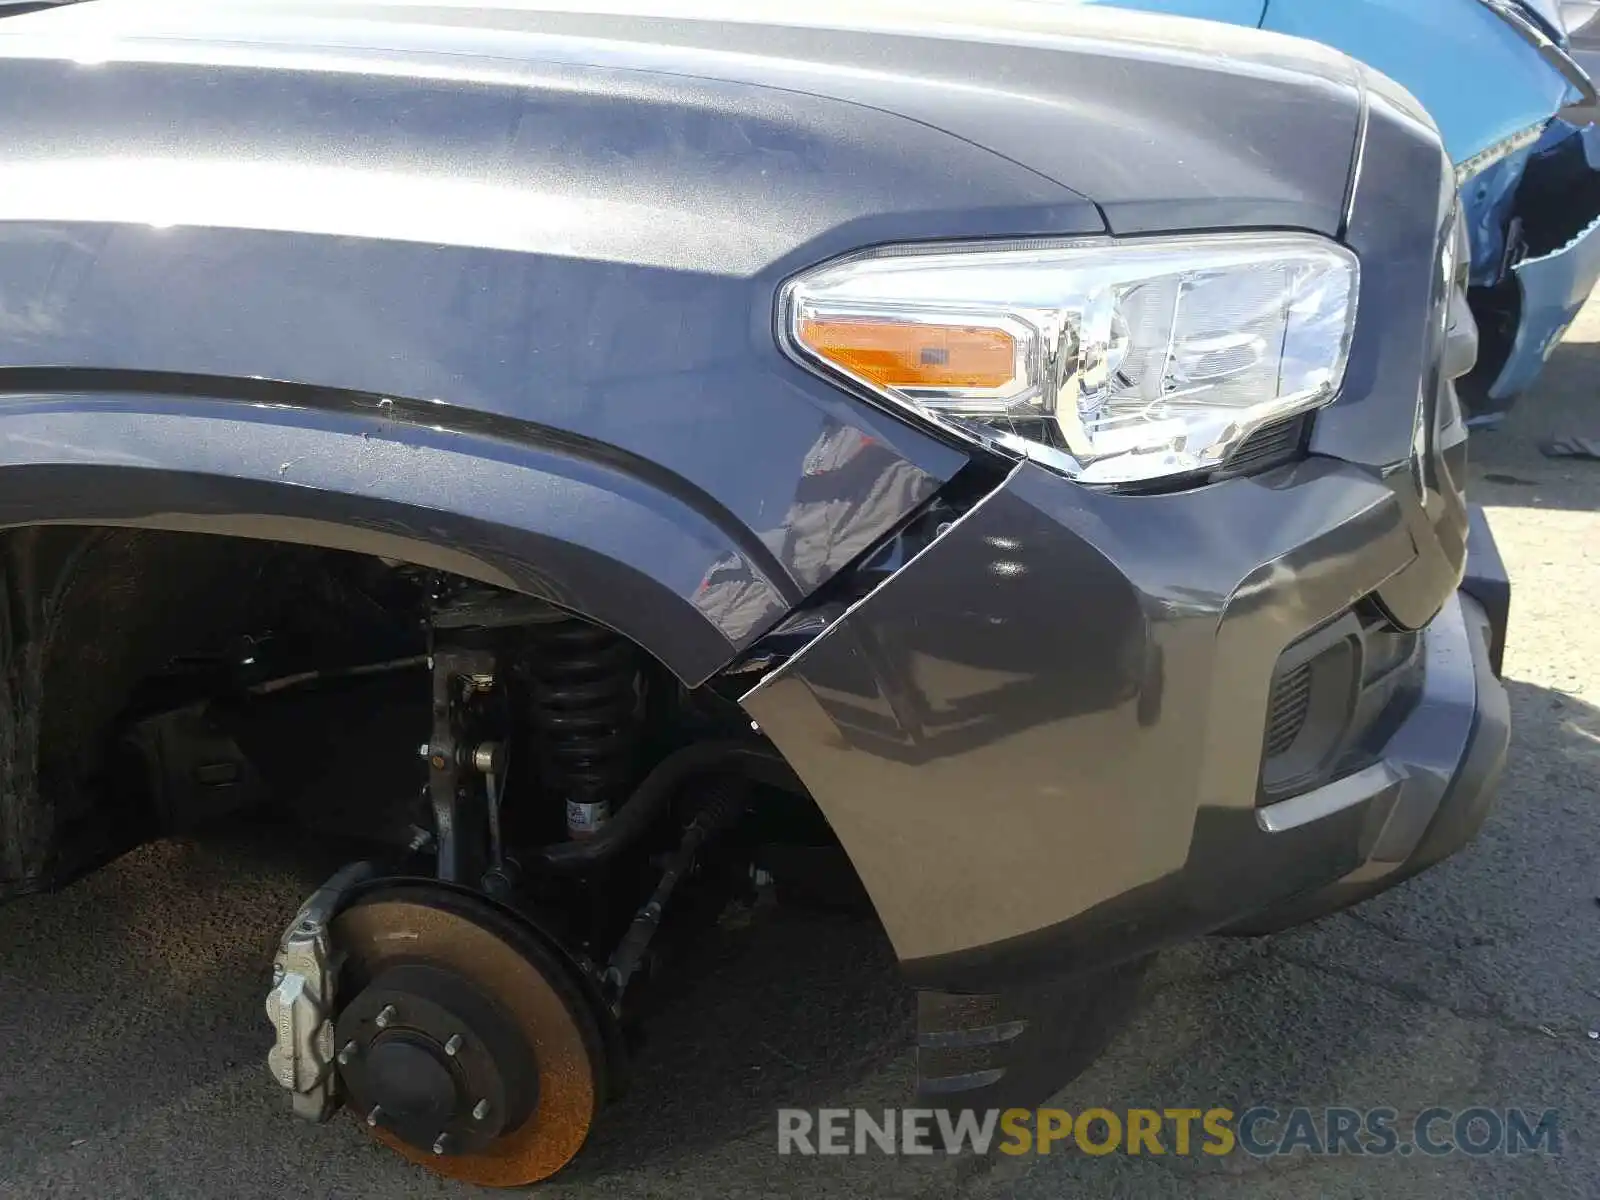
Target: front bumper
{"type": "Point", "coordinates": [1552, 289]}
{"type": "Point", "coordinates": [1429, 793]}
{"type": "Point", "coordinates": [1041, 741]}
{"type": "Point", "coordinates": [1539, 210]}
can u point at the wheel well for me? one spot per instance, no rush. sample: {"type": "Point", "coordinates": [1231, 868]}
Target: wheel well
{"type": "Point", "coordinates": [120, 642]}
{"type": "Point", "coordinates": [99, 616]}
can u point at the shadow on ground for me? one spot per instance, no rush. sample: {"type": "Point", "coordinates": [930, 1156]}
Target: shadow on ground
{"type": "Point", "coordinates": [1508, 467]}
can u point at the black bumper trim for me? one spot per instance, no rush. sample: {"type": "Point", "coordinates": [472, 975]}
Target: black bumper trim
{"type": "Point", "coordinates": [1486, 582]}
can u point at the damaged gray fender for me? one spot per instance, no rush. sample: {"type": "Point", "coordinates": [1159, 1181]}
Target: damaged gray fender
{"type": "Point", "coordinates": [492, 291]}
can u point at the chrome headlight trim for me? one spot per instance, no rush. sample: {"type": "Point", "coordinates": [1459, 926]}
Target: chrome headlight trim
{"type": "Point", "coordinates": [1112, 361]}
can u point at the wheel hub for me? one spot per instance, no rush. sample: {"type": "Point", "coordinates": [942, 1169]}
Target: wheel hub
{"type": "Point", "coordinates": [411, 1084]}
{"type": "Point", "coordinates": [466, 1044]}
{"type": "Point", "coordinates": [427, 1055]}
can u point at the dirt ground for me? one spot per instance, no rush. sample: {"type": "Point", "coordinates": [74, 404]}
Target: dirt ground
{"type": "Point", "coordinates": [130, 1005]}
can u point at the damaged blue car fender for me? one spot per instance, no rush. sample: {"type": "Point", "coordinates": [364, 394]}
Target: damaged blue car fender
{"type": "Point", "coordinates": [1516, 111]}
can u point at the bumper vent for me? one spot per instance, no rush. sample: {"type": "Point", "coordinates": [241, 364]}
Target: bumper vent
{"type": "Point", "coordinates": [1286, 713]}
{"type": "Point", "coordinates": [1337, 696]}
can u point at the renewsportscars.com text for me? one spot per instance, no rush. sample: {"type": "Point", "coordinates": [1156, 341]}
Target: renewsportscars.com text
{"type": "Point", "coordinates": [1260, 1131]}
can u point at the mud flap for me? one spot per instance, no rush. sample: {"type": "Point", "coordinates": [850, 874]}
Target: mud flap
{"type": "Point", "coordinates": [1017, 1047]}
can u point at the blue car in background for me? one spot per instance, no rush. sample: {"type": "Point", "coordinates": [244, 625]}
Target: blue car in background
{"type": "Point", "coordinates": [1505, 80]}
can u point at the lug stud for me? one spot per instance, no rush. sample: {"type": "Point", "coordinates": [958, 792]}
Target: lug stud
{"type": "Point", "coordinates": [347, 1053]}
{"type": "Point", "coordinates": [453, 1046]}
{"type": "Point", "coordinates": [441, 1144]}
{"type": "Point", "coordinates": [387, 1015]}
{"type": "Point", "coordinates": [375, 1116]}
{"type": "Point", "coordinates": [480, 1110]}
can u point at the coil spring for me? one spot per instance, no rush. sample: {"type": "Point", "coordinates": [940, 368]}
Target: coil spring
{"type": "Point", "coordinates": [586, 709]}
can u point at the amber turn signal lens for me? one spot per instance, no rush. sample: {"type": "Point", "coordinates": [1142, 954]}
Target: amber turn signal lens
{"type": "Point", "coordinates": [900, 354]}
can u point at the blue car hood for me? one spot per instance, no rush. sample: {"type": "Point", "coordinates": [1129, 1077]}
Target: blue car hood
{"type": "Point", "coordinates": [1483, 81]}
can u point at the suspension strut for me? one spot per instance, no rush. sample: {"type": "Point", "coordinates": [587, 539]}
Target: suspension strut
{"type": "Point", "coordinates": [587, 710]}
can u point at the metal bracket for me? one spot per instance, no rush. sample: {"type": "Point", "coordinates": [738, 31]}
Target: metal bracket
{"type": "Point", "coordinates": [462, 829]}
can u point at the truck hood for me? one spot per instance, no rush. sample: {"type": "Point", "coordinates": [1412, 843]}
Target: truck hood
{"type": "Point", "coordinates": [1162, 122]}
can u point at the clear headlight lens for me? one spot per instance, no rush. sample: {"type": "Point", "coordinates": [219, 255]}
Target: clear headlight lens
{"type": "Point", "coordinates": [1114, 362]}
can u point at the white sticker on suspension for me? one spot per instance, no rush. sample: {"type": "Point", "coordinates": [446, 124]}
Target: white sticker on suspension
{"type": "Point", "coordinates": [586, 819]}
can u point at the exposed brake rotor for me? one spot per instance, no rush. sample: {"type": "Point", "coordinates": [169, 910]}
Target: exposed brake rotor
{"type": "Point", "coordinates": [464, 1043]}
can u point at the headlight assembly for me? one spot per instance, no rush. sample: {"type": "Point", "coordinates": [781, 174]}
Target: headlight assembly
{"type": "Point", "coordinates": [1114, 362]}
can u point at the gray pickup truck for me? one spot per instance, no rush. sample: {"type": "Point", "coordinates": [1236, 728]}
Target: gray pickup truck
{"type": "Point", "coordinates": [588, 466]}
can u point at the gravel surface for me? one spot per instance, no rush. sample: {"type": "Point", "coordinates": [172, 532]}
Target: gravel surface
{"type": "Point", "coordinates": [130, 1005]}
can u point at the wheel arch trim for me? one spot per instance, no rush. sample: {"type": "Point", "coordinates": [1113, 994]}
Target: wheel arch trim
{"type": "Point", "coordinates": [577, 525]}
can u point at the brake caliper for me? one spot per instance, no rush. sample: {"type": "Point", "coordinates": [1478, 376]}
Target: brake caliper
{"type": "Point", "coordinates": [300, 1006]}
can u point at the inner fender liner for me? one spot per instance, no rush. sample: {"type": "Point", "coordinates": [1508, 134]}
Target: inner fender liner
{"type": "Point", "coordinates": [87, 614]}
